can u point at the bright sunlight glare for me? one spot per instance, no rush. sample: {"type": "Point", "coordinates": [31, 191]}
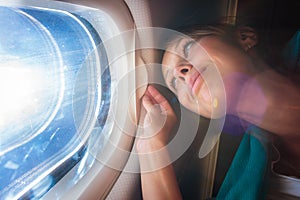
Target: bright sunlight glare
{"type": "Point", "coordinates": [19, 91]}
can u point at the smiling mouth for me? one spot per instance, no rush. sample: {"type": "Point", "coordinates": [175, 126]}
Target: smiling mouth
{"type": "Point", "coordinates": [197, 81]}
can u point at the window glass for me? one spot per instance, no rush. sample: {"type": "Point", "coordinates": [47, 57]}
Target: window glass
{"type": "Point", "coordinates": [55, 89]}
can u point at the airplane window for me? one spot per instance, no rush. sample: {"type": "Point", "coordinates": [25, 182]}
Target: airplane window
{"type": "Point", "coordinates": [55, 92]}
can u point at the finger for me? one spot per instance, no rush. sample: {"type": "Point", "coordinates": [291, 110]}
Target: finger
{"type": "Point", "coordinates": [147, 103]}
{"type": "Point", "coordinates": [158, 98]}
{"type": "Point", "coordinates": [151, 99]}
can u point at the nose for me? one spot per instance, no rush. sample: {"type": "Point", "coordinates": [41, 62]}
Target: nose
{"type": "Point", "coordinates": [183, 72]}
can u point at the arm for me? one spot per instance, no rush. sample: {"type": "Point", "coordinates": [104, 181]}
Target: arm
{"type": "Point", "coordinates": [158, 183]}
{"type": "Point", "coordinates": [157, 173]}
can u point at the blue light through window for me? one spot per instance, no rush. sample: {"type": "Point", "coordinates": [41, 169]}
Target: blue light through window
{"type": "Point", "coordinates": [51, 75]}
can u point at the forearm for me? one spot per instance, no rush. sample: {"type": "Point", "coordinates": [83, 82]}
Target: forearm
{"type": "Point", "coordinates": [160, 184]}
{"type": "Point", "coordinates": [157, 174]}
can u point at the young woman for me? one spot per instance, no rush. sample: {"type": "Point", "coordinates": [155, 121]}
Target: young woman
{"type": "Point", "coordinates": [252, 90]}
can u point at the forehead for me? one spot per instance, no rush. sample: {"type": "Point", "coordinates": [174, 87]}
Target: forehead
{"type": "Point", "coordinates": [176, 44]}
{"type": "Point", "coordinates": [168, 62]}
{"type": "Point", "coordinates": [173, 52]}
{"type": "Point", "coordinates": [200, 51]}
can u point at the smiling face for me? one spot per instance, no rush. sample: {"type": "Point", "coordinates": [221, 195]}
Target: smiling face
{"type": "Point", "coordinates": [201, 73]}
{"type": "Point", "coordinates": [185, 79]}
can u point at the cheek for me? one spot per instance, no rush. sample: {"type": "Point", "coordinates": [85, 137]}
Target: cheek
{"type": "Point", "coordinates": [194, 104]}
{"type": "Point", "coordinates": [213, 100]}
{"type": "Point", "coordinates": [204, 94]}
{"type": "Point", "coordinates": [185, 99]}
{"type": "Point", "coordinates": [189, 103]}
{"type": "Point", "coordinates": [213, 108]}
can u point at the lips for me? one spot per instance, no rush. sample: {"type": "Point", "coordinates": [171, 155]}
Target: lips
{"type": "Point", "coordinates": [196, 80]}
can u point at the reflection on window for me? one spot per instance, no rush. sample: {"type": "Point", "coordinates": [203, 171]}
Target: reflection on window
{"type": "Point", "coordinates": [53, 81]}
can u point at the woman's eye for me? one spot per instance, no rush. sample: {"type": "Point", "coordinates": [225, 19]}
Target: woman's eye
{"type": "Point", "coordinates": [186, 48]}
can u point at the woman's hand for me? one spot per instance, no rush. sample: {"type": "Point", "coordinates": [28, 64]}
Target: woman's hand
{"type": "Point", "coordinates": [158, 122]}
{"type": "Point", "coordinates": [157, 174]}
